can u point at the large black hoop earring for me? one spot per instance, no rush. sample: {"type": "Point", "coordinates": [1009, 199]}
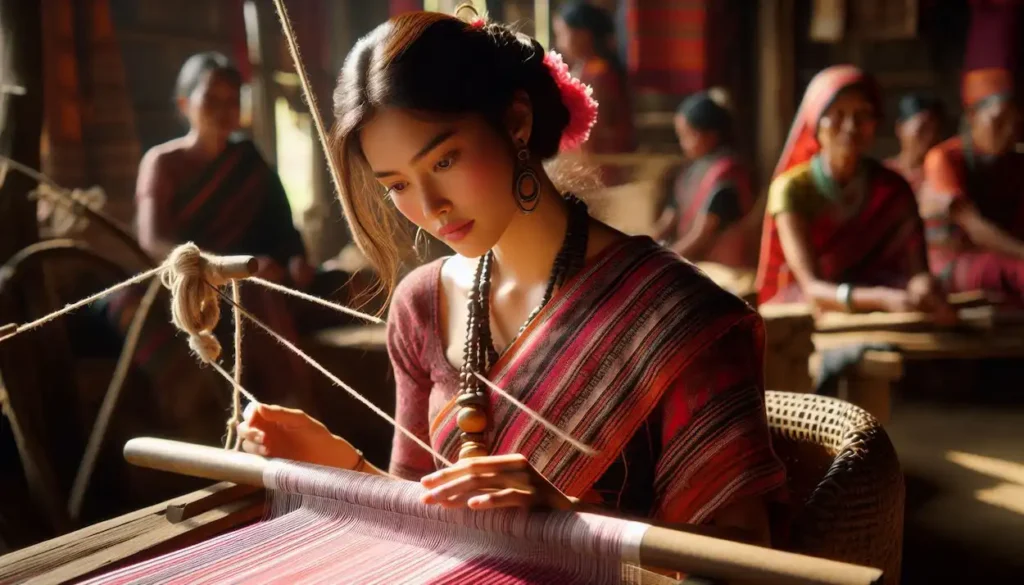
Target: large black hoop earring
{"type": "Point", "coordinates": [526, 184]}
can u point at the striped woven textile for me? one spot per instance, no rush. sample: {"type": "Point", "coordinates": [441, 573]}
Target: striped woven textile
{"type": "Point", "coordinates": [639, 346]}
{"type": "Point", "coordinates": [336, 526]}
{"type": "Point", "coordinates": [667, 48]}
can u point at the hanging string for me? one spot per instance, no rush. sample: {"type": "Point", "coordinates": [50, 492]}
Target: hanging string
{"type": "Point", "coordinates": [307, 89]}
{"type": "Point", "coordinates": [232, 440]}
{"type": "Point", "coordinates": [337, 381]}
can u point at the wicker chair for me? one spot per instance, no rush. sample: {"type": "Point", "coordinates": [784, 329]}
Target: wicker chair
{"type": "Point", "coordinates": [844, 478]}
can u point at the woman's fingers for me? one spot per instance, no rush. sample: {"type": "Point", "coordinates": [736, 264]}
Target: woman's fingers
{"type": "Point", "coordinates": [461, 489]}
{"type": "Point", "coordinates": [507, 498]}
{"type": "Point", "coordinates": [254, 448]}
{"type": "Point", "coordinates": [476, 466]}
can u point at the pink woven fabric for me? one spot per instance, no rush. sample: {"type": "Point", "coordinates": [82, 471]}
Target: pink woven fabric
{"type": "Point", "coordinates": [334, 526]}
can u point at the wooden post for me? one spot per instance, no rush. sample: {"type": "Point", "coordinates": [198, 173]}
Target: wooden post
{"type": "Point", "coordinates": [32, 375]}
{"type": "Point", "coordinates": [260, 27]}
{"type": "Point", "coordinates": [776, 81]}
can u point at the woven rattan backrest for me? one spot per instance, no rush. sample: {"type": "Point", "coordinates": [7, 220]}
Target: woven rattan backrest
{"type": "Point", "coordinates": [845, 481]}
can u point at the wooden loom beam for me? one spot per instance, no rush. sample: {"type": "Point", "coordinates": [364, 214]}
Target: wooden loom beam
{"type": "Point", "coordinates": [134, 537]}
{"type": "Point", "coordinates": [661, 547]}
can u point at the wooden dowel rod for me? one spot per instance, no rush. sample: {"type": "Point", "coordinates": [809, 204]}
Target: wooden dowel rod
{"type": "Point", "coordinates": [233, 267]}
{"type": "Point", "coordinates": [661, 547]}
{"type": "Point", "coordinates": [196, 460]}
{"type": "Point", "coordinates": [745, 563]}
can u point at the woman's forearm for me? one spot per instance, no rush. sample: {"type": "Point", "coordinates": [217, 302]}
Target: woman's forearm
{"type": "Point", "coordinates": [862, 298]}
{"type": "Point", "coordinates": [988, 235]}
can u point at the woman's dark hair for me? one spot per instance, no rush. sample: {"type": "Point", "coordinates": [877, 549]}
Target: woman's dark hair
{"type": "Point", "coordinates": [703, 113]}
{"type": "Point", "coordinates": [600, 24]}
{"type": "Point", "coordinates": [439, 65]}
{"type": "Point", "coordinates": [198, 66]}
{"type": "Point", "coordinates": [915, 103]}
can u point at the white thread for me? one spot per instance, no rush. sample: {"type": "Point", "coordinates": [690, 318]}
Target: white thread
{"type": "Point", "coordinates": [537, 417]}
{"type": "Point", "coordinates": [317, 300]}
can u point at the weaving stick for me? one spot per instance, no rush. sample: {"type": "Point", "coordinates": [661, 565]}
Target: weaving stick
{"type": "Point", "coordinates": [232, 267]}
{"type": "Point", "coordinates": [659, 547]}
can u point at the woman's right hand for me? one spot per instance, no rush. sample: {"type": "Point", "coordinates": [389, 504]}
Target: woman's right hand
{"type": "Point", "coordinates": [895, 300]}
{"type": "Point", "coordinates": [287, 433]}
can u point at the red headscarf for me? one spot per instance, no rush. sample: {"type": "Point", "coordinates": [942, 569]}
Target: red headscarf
{"type": "Point", "coordinates": [802, 143]}
{"type": "Point", "coordinates": [980, 84]}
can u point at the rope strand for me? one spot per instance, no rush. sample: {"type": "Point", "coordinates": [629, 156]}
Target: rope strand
{"type": "Point", "coordinates": [312, 299]}
{"type": "Point", "coordinates": [19, 329]}
{"type": "Point", "coordinates": [337, 381]}
{"type": "Point", "coordinates": [232, 440]}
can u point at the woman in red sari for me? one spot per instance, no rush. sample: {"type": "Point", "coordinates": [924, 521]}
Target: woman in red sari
{"type": "Point", "coordinates": [842, 231]}
{"type": "Point", "coordinates": [973, 194]}
{"type": "Point", "coordinates": [614, 339]}
{"type": "Point", "coordinates": [704, 221]}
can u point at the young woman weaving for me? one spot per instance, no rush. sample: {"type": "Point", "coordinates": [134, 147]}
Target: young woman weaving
{"type": "Point", "coordinates": [614, 339]}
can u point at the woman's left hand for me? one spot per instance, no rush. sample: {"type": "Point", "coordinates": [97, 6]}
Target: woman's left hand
{"type": "Point", "coordinates": [498, 481]}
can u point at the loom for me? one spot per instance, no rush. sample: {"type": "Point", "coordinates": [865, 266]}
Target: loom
{"type": "Point", "coordinates": [332, 526]}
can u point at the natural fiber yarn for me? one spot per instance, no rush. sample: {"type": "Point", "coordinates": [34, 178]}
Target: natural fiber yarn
{"type": "Point", "coordinates": [195, 304]}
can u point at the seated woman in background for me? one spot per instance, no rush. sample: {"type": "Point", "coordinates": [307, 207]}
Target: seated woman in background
{"type": "Point", "coordinates": [918, 128]}
{"type": "Point", "coordinates": [584, 35]}
{"type": "Point", "coordinates": [213, 188]}
{"type": "Point", "coordinates": [704, 221]}
{"type": "Point", "coordinates": [841, 231]}
{"type": "Point", "coordinates": [973, 193]}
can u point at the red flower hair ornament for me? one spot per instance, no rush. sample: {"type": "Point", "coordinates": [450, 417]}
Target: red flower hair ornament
{"type": "Point", "coordinates": [576, 96]}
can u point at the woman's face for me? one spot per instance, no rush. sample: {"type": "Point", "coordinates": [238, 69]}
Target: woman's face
{"type": "Point", "coordinates": [214, 108]}
{"type": "Point", "coordinates": [847, 128]}
{"type": "Point", "coordinates": [695, 143]}
{"type": "Point", "coordinates": [994, 127]}
{"type": "Point", "coordinates": [919, 133]}
{"type": "Point", "coordinates": [453, 179]}
{"type": "Point", "coordinates": [574, 44]}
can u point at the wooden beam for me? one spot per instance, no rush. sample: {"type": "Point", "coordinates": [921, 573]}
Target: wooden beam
{"type": "Point", "coordinates": [134, 537]}
{"type": "Point", "coordinates": [31, 370]}
{"type": "Point", "coordinates": [776, 80]}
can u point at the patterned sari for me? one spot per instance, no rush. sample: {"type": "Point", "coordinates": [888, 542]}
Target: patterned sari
{"type": "Point", "coordinates": [719, 174]}
{"type": "Point", "coordinates": [870, 244]}
{"type": "Point", "coordinates": [639, 356]}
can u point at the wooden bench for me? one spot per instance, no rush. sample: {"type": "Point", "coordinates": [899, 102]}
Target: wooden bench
{"type": "Point", "coordinates": [984, 332]}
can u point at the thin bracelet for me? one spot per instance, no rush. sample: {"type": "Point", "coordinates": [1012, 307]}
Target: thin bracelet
{"type": "Point", "coordinates": [844, 295]}
{"type": "Point", "coordinates": [361, 463]}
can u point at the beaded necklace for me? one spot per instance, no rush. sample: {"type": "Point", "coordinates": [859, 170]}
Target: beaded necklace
{"type": "Point", "coordinates": [479, 353]}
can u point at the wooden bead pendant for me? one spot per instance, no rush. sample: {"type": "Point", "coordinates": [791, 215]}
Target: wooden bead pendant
{"type": "Point", "coordinates": [472, 419]}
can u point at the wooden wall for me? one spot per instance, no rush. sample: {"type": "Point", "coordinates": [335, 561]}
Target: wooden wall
{"type": "Point", "coordinates": [157, 36]}
{"type": "Point", "coordinates": [930, 62]}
